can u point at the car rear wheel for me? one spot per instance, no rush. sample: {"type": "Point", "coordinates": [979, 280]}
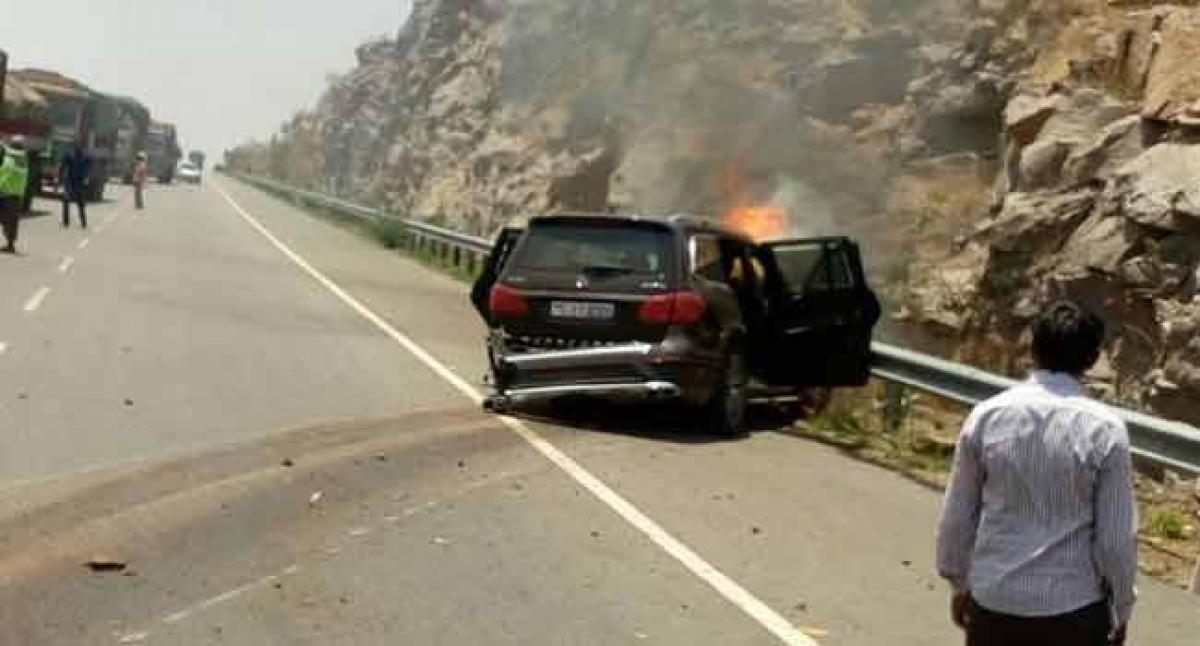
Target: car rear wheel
{"type": "Point", "coordinates": [726, 410]}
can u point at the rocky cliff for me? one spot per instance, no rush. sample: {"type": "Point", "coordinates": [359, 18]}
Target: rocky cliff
{"type": "Point", "coordinates": [991, 153]}
{"type": "Point", "coordinates": [1097, 197]}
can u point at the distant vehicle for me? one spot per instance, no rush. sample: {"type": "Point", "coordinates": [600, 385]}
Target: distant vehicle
{"type": "Point", "coordinates": [197, 158]}
{"type": "Point", "coordinates": [133, 126]}
{"type": "Point", "coordinates": [24, 116]}
{"type": "Point", "coordinates": [188, 172]}
{"type": "Point", "coordinates": [673, 309]}
{"type": "Point", "coordinates": [76, 112]}
{"type": "Point", "coordinates": [163, 152]}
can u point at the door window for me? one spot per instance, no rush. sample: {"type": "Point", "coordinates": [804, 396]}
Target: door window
{"type": "Point", "coordinates": [805, 268]}
{"type": "Point", "coordinates": [707, 261]}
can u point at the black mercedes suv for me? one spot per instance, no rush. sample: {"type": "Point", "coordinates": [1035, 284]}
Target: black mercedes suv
{"type": "Point", "coordinates": [671, 308]}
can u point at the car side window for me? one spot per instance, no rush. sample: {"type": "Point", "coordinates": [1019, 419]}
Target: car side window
{"type": "Point", "coordinates": [814, 267]}
{"type": "Point", "coordinates": [706, 259]}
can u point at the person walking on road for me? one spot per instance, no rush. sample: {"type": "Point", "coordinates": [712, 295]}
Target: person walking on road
{"type": "Point", "coordinates": [141, 173]}
{"type": "Point", "coordinates": [74, 173]}
{"type": "Point", "coordinates": [1038, 533]}
{"type": "Point", "coordinates": [14, 179]}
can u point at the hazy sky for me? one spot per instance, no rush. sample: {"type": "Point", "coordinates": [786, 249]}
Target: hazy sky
{"type": "Point", "coordinates": [223, 70]}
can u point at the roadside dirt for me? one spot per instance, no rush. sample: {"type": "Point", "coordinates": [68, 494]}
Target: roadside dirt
{"type": "Point", "coordinates": [923, 449]}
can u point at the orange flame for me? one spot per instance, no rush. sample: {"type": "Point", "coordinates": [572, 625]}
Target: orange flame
{"type": "Point", "coordinates": [758, 222]}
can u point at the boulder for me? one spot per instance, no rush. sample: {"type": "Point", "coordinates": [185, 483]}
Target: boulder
{"type": "Point", "coordinates": [1080, 114]}
{"type": "Point", "coordinates": [1160, 188]}
{"type": "Point", "coordinates": [1116, 145]}
{"type": "Point", "coordinates": [1100, 244]}
{"type": "Point", "coordinates": [1031, 222]}
{"type": "Point", "coordinates": [1173, 82]}
{"type": "Point", "coordinates": [1041, 165]}
{"type": "Point", "coordinates": [1025, 115]}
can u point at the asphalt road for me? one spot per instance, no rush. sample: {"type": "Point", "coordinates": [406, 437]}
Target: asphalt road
{"type": "Point", "coordinates": [272, 423]}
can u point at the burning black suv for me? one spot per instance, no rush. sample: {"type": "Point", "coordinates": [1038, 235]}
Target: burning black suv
{"type": "Point", "coordinates": [671, 308]}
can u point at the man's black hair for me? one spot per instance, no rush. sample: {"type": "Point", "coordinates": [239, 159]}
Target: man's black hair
{"type": "Point", "coordinates": [1067, 338]}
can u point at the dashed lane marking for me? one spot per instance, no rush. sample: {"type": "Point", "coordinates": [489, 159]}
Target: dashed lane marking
{"type": "Point", "coordinates": [3, 347]}
{"type": "Point", "coordinates": [733, 592]}
{"type": "Point", "coordinates": [83, 244]}
{"type": "Point", "coordinates": [65, 265]}
{"type": "Point", "coordinates": [36, 300]}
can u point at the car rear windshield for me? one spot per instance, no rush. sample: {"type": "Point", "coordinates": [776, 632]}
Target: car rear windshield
{"type": "Point", "coordinates": [597, 248]}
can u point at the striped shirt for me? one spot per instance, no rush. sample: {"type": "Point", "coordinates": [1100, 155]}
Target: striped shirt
{"type": "Point", "coordinates": [1040, 517]}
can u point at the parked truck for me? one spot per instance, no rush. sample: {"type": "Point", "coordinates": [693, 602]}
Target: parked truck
{"type": "Point", "coordinates": [133, 128]}
{"type": "Point", "coordinates": [77, 114]}
{"type": "Point", "coordinates": [24, 120]}
{"type": "Point", "coordinates": [197, 158]}
{"type": "Point", "coordinates": [162, 148]}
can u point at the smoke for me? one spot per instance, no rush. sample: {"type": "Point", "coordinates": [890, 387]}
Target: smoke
{"type": "Point", "coordinates": [692, 91]}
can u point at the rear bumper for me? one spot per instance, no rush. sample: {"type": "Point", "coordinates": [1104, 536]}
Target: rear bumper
{"type": "Point", "coordinates": [635, 370]}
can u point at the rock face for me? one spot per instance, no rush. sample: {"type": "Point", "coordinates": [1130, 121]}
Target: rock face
{"type": "Point", "coordinates": [1097, 198]}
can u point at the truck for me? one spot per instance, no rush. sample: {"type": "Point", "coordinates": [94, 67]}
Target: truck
{"type": "Point", "coordinates": [162, 148]}
{"type": "Point", "coordinates": [197, 158]}
{"type": "Point", "coordinates": [24, 117]}
{"type": "Point", "coordinates": [77, 114]}
{"type": "Point", "coordinates": [133, 127]}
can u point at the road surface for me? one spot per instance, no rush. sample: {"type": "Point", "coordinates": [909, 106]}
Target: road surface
{"type": "Point", "coordinates": [272, 423]}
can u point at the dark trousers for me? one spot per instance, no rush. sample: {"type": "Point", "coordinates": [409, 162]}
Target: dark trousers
{"type": "Point", "coordinates": [78, 198]}
{"type": "Point", "coordinates": [10, 219]}
{"type": "Point", "coordinates": [139, 200]}
{"type": "Point", "coordinates": [1088, 626]}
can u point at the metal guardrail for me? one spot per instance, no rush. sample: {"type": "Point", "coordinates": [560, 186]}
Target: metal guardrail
{"type": "Point", "coordinates": [1159, 442]}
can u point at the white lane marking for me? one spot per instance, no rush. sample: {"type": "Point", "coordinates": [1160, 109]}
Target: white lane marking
{"type": "Point", "coordinates": [65, 265]}
{"type": "Point", "coordinates": [3, 347]}
{"type": "Point", "coordinates": [83, 244]}
{"type": "Point", "coordinates": [177, 617]}
{"type": "Point", "coordinates": [35, 301]}
{"type": "Point", "coordinates": [727, 587]}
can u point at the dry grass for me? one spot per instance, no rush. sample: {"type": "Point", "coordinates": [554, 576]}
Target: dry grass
{"type": "Point", "coordinates": [923, 448]}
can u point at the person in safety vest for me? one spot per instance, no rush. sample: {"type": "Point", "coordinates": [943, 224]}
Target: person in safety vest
{"type": "Point", "coordinates": [14, 177]}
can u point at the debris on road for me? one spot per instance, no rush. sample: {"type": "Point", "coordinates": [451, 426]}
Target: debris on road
{"type": "Point", "coordinates": [287, 462]}
{"type": "Point", "coordinates": [128, 402]}
{"type": "Point", "coordinates": [379, 457]}
{"type": "Point", "coordinates": [462, 464]}
{"type": "Point", "coordinates": [755, 530]}
{"type": "Point", "coordinates": [134, 638]}
{"type": "Point", "coordinates": [105, 563]}
{"type": "Point", "coordinates": [438, 540]}
{"type": "Point", "coordinates": [315, 497]}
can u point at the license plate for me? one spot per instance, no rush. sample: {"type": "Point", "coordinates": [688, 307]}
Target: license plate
{"type": "Point", "coordinates": [582, 311]}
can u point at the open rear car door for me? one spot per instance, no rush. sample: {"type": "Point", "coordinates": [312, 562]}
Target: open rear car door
{"type": "Point", "coordinates": [493, 265]}
{"type": "Point", "coordinates": [820, 314]}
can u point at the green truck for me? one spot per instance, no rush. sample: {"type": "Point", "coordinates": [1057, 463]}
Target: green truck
{"type": "Point", "coordinates": [76, 113]}
{"type": "Point", "coordinates": [24, 124]}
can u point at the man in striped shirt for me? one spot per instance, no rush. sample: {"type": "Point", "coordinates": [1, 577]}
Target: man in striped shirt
{"type": "Point", "coordinates": [1038, 534]}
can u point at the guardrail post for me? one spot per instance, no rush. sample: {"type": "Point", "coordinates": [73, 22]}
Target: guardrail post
{"type": "Point", "coordinates": [893, 406]}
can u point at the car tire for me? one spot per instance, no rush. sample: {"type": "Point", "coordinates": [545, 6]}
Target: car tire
{"type": "Point", "coordinates": [726, 410]}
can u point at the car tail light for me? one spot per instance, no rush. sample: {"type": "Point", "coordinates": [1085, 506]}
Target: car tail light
{"type": "Point", "coordinates": [676, 308]}
{"type": "Point", "coordinates": [506, 302]}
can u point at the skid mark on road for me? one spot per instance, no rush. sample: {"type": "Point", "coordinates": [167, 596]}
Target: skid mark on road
{"type": "Point", "coordinates": [733, 592]}
{"type": "Point", "coordinates": [36, 300]}
{"type": "Point", "coordinates": [355, 533]}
